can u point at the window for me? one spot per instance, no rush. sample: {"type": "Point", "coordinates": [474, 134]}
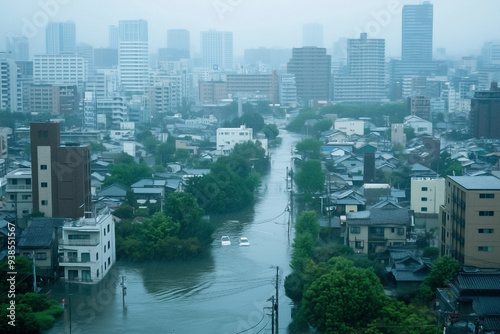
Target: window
{"type": "Point", "coordinates": [104, 248]}
{"type": "Point", "coordinates": [85, 257]}
{"type": "Point", "coordinates": [25, 197]}
{"type": "Point", "coordinates": [355, 230]}
{"type": "Point", "coordinates": [104, 232]}
{"type": "Point", "coordinates": [486, 195]}
{"type": "Point", "coordinates": [97, 273]}
{"type": "Point", "coordinates": [43, 184]}
{"type": "Point", "coordinates": [423, 209]}
{"type": "Point", "coordinates": [423, 199]}
{"type": "Point", "coordinates": [424, 188]}
{"type": "Point", "coordinates": [486, 213]}
{"type": "Point", "coordinates": [43, 167]}
{"type": "Point", "coordinates": [108, 228]}
{"type": "Point", "coordinates": [401, 231]}
{"type": "Point", "coordinates": [359, 244]}
{"type": "Point", "coordinates": [79, 236]}
{"type": "Point", "coordinates": [45, 202]}
{"type": "Point", "coordinates": [97, 257]}
{"type": "Point", "coordinates": [109, 261]}
{"type": "Point", "coordinates": [41, 256]}
{"type": "Point", "coordinates": [486, 230]}
{"type": "Point", "coordinates": [86, 275]}
{"type": "Point", "coordinates": [109, 244]}
{"type": "Point", "coordinates": [485, 248]}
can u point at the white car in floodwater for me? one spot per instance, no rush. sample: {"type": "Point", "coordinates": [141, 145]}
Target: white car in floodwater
{"type": "Point", "coordinates": [225, 241]}
{"type": "Point", "coordinates": [244, 241]}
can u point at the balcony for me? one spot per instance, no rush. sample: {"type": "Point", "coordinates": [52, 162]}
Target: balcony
{"type": "Point", "coordinates": [72, 259]}
{"type": "Point", "coordinates": [79, 242]}
{"type": "Point", "coordinates": [11, 187]}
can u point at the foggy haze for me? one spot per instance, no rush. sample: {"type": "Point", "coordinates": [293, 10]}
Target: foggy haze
{"type": "Point", "coordinates": [460, 26]}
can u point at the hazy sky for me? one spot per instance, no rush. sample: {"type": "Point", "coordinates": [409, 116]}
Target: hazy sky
{"type": "Point", "coordinates": [460, 26]}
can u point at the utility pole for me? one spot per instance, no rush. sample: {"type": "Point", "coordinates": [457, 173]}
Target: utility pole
{"type": "Point", "coordinates": [34, 271]}
{"type": "Point", "coordinates": [272, 314]}
{"type": "Point", "coordinates": [276, 304]}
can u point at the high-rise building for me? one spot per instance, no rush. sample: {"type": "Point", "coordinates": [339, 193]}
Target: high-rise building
{"type": "Point", "coordinates": [364, 81]}
{"type": "Point", "coordinates": [18, 47]}
{"type": "Point", "coordinates": [105, 58]}
{"type": "Point", "coordinates": [417, 33]}
{"type": "Point", "coordinates": [133, 57]}
{"type": "Point", "coordinates": [178, 44]}
{"type": "Point", "coordinates": [114, 37]}
{"type": "Point", "coordinates": [60, 173]}
{"type": "Point", "coordinates": [217, 49]}
{"type": "Point", "coordinates": [491, 52]}
{"type": "Point", "coordinates": [312, 35]}
{"type": "Point", "coordinates": [10, 85]}
{"type": "Point", "coordinates": [485, 113]}
{"type": "Point", "coordinates": [86, 51]}
{"type": "Point", "coordinates": [469, 229]}
{"type": "Point", "coordinates": [60, 37]}
{"type": "Point", "coordinates": [311, 67]}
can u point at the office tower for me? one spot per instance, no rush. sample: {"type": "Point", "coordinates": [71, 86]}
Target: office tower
{"type": "Point", "coordinates": [86, 51]}
{"type": "Point", "coordinates": [59, 69]}
{"type": "Point", "coordinates": [178, 44]}
{"type": "Point", "coordinates": [18, 48]}
{"type": "Point", "coordinates": [133, 58]}
{"type": "Point", "coordinates": [10, 85]}
{"type": "Point", "coordinates": [217, 49]}
{"type": "Point", "coordinates": [417, 33]}
{"type": "Point", "coordinates": [311, 67]}
{"type": "Point", "coordinates": [114, 37]}
{"type": "Point", "coordinates": [469, 221]}
{"type": "Point", "coordinates": [491, 53]}
{"type": "Point", "coordinates": [312, 35]}
{"type": "Point", "coordinates": [485, 113]}
{"type": "Point", "coordinates": [60, 173]}
{"type": "Point", "coordinates": [60, 37]}
{"type": "Point", "coordinates": [364, 81]}
{"type": "Point", "coordinates": [105, 58]}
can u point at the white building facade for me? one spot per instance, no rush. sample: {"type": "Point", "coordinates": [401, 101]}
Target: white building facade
{"type": "Point", "coordinates": [133, 56]}
{"type": "Point", "coordinates": [59, 69]}
{"type": "Point", "coordinates": [350, 126]}
{"type": "Point", "coordinates": [227, 138]}
{"type": "Point", "coordinates": [427, 194]}
{"type": "Point", "coordinates": [87, 248]}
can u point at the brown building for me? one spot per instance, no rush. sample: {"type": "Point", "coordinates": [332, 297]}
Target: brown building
{"type": "Point", "coordinates": [264, 85]}
{"type": "Point", "coordinates": [311, 67]}
{"type": "Point", "coordinates": [420, 106]}
{"type": "Point", "coordinates": [485, 113]}
{"type": "Point", "coordinates": [60, 173]}
{"type": "Point", "coordinates": [56, 99]}
{"type": "Point", "coordinates": [211, 92]}
{"type": "Point", "coordinates": [469, 221]}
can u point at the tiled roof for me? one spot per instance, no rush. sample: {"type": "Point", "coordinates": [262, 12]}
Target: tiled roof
{"type": "Point", "coordinates": [40, 233]}
{"type": "Point", "coordinates": [380, 216]}
{"type": "Point", "coordinates": [478, 281]}
{"type": "Point", "coordinates": [477, 182]}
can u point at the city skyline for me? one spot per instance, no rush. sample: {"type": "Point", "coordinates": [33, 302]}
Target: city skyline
{"type": "Point", "coordinates": [255, 24]}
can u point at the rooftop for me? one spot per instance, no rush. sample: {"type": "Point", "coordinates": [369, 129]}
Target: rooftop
{"type": "Point", "coordinates": [477, 182]}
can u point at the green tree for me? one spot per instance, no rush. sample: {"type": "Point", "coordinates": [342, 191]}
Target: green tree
{"type": "Point", "coordinates": [344, 300]}
{"type": "Point", "coordinates": [307, 222]}
{"type": "Point", "coordinates": [298, 123]}
{"type": "Point", "coordinates": [309, 148]}
{"type": "Point", "coordinates": [271, 131]}
{"type": "Point", "coordinates": [444, 269]}
{"type": "Point", "coordinates": [183, 208]}
{"type": "Point", "coordinates": [310, 178]}
{"type": "Point", "coordinates": [322, 125]}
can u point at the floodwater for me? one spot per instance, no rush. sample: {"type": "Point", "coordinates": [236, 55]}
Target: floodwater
{"type": "Point", "coordinates": [226, 292]}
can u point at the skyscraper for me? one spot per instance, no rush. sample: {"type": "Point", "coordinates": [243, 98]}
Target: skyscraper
{"type": "Point", "coordinates": [178, 44]}
{"type": "Point", "coordinates": [18, 47]}
{"type": "Point", "coordinates": [10, 85]}
{"type": "Point", "coordinates": [485, 113]}
{"type": "Point", "coordinates": [133, 58]}
{"type": "Point", "coordinates": [312, 35]}
{"type": "Point", "coordinates": [60, 37]}
{"type": "Point", "coordinates": [365, 78]}
{"type": "Point", "coordinates": [311, 67]}
{"type": "Point", "coordinates": [217, 49]}
{"type": "Point", "coordinates": [114, 37]}
{"type": "Point", "coordinates": [417, 33]}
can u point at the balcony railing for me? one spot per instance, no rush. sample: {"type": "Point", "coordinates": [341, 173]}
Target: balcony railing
{"type": "Point", "coordinates": [79, 242]}
{"type": "Point", "coordinates": [71, 259]}
{"type": "Point", "coordinates": [18, 187]}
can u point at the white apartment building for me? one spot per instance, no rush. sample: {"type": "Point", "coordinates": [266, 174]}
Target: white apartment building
{"type": "Point", "coordinates": [288, 90]}
{"type": "Point", "coordinates": [421, 126]}
{"type": "Point", "coordinates": [227, 138]}
{"type": "Point", "coordinates": [87, 248]}
{"type": "Point", "coordinates": [18, 192]}
{"type": "Point", "coordinates": [427, 194]}
{"type": "Point", "coordinates": [59, 69]}
{"type": "Point", "coordinates": [115, 106]}
{"type": "Point", "coordinates": [133, 56]}
{"type": "Point", "coordinates": [10, 86]}
{"type": "Point", "coordinates": [350, 126]}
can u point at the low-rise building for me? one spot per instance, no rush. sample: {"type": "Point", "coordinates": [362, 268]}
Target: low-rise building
{"type": "Point", "coordinates": [87, 248]}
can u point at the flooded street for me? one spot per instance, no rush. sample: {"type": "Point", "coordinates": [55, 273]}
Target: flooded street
{"type": "Point", "coordinates": [225, 292]}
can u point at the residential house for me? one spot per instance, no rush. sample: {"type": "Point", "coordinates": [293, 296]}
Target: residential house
{"type": "Point", "coordinates": [471, 301]}
{"type": "Point", "coordinates": [347, 200]}
{"type": "Point", "coordinates": [40, 241]}
{"type": "Point", "coordinates": [373, 230]}
{"type": "Point", "coordinates": [406, 270]}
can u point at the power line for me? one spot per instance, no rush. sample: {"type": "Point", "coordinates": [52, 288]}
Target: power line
{"type": "Point", "coordinates": [257, 324]}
